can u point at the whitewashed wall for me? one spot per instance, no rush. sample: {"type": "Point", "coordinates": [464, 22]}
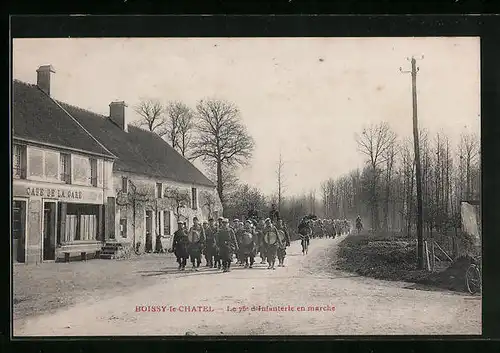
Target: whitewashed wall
{"type": "Point", "coordinates": [148, 184]}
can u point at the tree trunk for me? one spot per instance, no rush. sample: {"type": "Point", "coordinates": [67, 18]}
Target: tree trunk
{"type": "Point", "coordinates": [220, 186]}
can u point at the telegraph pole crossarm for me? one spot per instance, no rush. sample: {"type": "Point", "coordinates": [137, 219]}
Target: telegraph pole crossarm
{"type": "Point", "coordinates": [418, 172]}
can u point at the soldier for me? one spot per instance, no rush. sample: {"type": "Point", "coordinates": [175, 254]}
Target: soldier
{"type": "Point", "coordinates": [219, 222]}
{"type": "Point", "coordinates": [285, 242]}
{"type": "Point", "coordinates": [210, 253]}
{"type": "Point", "coordinates": [179, 245]}
{"type": "Point", "coordinates": [260, 241]}
{"type": "Point", "coordinates": [248, 245]}
{"type": "Point", "coordinates": [196, 238]}
{"type": "Point", "coordinates": [305, 231]}
{"type": "Point", "coordinates": [226, 243]}
{"type": "Point", "coordinates": [274, 214]}
{"type": "Point", "coordinates": [272, 241]}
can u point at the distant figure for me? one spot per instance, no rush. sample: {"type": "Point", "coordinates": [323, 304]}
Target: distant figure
{"type": "Point", "coordinates": [359, 225]}
{"type": "Point", "coordinates": [305, 231]}
{"type": "Point", "coordinates": [274, 214]}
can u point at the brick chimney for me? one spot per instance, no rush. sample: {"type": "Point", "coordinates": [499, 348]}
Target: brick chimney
{"type": "Point", "coordinates": [43, 77]}
{"type": "Point", "coordinates": [117, 114]}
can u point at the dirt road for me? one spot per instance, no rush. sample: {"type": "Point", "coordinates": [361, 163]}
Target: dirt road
{"type": "Point", "coordinates": [361, 306]}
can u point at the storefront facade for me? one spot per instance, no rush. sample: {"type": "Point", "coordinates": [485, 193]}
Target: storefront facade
{"type": "Point", "coordinates": [59, 202]}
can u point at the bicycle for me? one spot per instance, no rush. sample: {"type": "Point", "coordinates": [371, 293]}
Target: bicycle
{"type": "Point", "coordinates": [304, 241]}
{"type": "Point", "coordinates": [473, 277]}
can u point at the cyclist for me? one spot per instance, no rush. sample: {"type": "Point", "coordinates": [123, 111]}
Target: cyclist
{"type": "Point", "coordinates": [305, 231]}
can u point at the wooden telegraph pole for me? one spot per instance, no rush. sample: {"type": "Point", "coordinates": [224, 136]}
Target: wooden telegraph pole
{"type": "Point", "coordinates": [420, 235]}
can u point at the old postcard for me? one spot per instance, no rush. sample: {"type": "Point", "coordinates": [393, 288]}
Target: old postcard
{"type": "Point", "coordinates": [246, 186]}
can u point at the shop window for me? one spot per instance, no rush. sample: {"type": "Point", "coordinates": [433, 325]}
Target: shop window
{"type": "Point", "coordinates": [194, 198]}
{"type": "Point", "coordinates": [124, 185]}
{"type": "Point", "coordinates": [65, 160]}
{"type": "Point", "coordinates": [159, 190]}
{"type": "Point", "coordinates": [19, 161]}
{"type": "Point", "coordinates": [93, 171]}
{"type": "Point", "coordinates": [81, 222]}
{"type": "Point", "coordinates": [166, 223]}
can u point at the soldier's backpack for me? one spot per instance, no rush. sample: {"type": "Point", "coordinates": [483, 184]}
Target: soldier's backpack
{"type": "Point", "coordinates": [270, 237]}
{"type": "Point", "coordinates": [194, 236]}
{"type": "Point", "coordinates": [246, 238]}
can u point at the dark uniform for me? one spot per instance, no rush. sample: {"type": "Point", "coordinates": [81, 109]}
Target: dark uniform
{"type": "Point", "coordinates": [248, 246]}
{"type": "Point", "coordinates": [210, 248]}
{"type": "Point", "coordinates": [196, 239]}
{"type": "Point", "coordinates": [179, 245]}
{"type": "Point", "coordinates": [283, 245]}
{"type": "Point", "coordinates": [260, 242]}
{"type": "Point", "coordinates": [271, 241]}
{"type": "Point", "coordinates": [304, 231]}
{"type": "Point", "coordinates": [226, 244]}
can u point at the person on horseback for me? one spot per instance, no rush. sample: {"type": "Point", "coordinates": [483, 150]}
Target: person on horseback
{"type": "Point", "coordinates": [305, 233]}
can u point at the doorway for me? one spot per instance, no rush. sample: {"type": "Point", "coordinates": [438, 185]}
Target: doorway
{"type": "Point", "coordinates": [49, 230]}
{"type": "Point", "coordinates": [149, 229]}
{"type": "Point", "coordinates": [19, 231]}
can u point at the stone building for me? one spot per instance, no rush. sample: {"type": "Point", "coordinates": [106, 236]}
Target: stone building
{"type": "Point", "coordinates": [82, 179]}
{"type": "Point", "coordinates": [148, 176]}
{"type": "Point", "coordinates": [61, 178]}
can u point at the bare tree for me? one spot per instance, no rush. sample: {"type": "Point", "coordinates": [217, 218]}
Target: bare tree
{"type": "Point", "coordinates": [469, 153]}
{"type": "Point", "coordinates": [374, 142]}
{"type": "Point", "coordinates": [209, 201]}
{"type": "Point", "coordinates": [179, 127]}
{"type": "Point", "coordinates": [134, 197]}
{"type": "Point", "coordinates": [279, 174]}
{"type": "Point", "coordinates": [179, 199]}
{"type": "Point", "coordinates": [151, 112]}
{"type": "Point", "coordinates": [222, 140]}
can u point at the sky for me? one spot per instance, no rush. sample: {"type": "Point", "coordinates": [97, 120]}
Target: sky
{"type": "Point", "coordinates": [303, 97]}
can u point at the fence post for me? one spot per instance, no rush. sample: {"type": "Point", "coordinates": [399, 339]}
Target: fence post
{"type": "Point", "coordinates": [433, 257]}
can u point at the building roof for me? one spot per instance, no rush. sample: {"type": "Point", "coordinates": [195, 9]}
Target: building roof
{"type": "Point", "coordinates": [36, 117]}
{"type": "Point", "coordinates": [139, 151]}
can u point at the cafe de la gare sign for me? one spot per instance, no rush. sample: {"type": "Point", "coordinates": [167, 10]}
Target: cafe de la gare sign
{"type": "Point", "coordinates": [64, 194]}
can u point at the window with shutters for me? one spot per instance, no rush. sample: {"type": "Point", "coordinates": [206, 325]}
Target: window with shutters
{"type": "Point", "coordinates": [93, 171]}
{"type": "Point", "coordinates": [124, 184]}
{"type": "Point", "coordinates": [65, 161]}
{"type": "Point", "coordinates": [19, 161]}
{"type": "Point", "coordinates": [194, 198]}
{"type": "Point", "coordinates": [123, 227]}
{"type": "Point", "coordinates": [159, 190]}
{"type": "Point", "coordinates": [166, 223]}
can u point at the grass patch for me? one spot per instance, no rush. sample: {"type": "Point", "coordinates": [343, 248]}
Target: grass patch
{"type": "Point", "coordinates": [392, 256]}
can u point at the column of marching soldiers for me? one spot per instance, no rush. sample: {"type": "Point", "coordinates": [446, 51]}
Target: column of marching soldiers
{"type": "Point", "coordinates": [220, 242]}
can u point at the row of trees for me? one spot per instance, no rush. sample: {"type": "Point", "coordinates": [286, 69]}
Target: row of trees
{"type": "Point", "coordinates": [212, 132]}
{"type": "Point", "coordinates": [384, 192]}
